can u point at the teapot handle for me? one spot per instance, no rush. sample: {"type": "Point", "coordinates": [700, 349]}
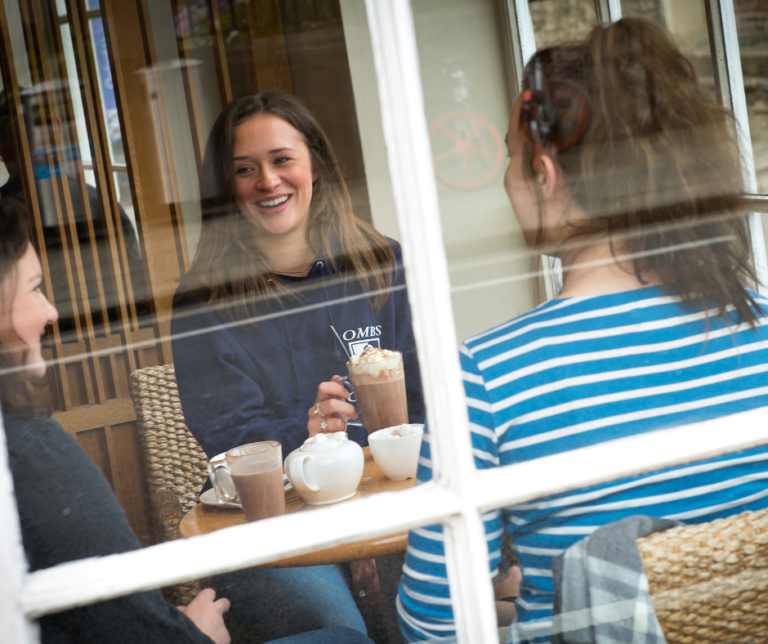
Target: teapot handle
{"type": "Point", "coordinates": [296, 474]}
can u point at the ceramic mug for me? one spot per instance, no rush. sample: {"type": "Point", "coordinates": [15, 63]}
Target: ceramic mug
{"type": "Point", "coordinates": [397, 455]}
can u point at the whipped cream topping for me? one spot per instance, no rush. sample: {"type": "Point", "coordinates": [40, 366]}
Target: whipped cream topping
{"type": "Point", "coordinates": [376, 364]}
{"type": "Point", "coordinates": [371, 355]}
{"type": "Point", "coordinates": [399, 431]}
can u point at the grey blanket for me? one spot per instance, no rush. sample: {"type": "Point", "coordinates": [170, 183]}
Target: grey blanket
{"type": "Point", "coordinates": [601, 592]}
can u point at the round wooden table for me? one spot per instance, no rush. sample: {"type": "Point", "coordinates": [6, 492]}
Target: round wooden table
{"type": "Point", "coordinates": [203, 519]}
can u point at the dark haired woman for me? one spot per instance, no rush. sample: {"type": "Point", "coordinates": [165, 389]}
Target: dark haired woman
{"type": "Point", "coordinates": [281, 258]}
{"type": "Point", "coordinates": [621, 166]}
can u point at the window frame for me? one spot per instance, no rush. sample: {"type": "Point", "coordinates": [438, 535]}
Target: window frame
{"type": "Point", "coordinates": [458, 493]}
{"type": "Point", "coordinates": [729, 85]}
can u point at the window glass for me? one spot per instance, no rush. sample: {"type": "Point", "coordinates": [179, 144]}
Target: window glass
{"type": "Point", "coordinates": [558, 20]}
{"type": "Point", "coordinates": [213, 274]}
{"type": "Point", "coordinates": [467, 93]}
{"type": "Point", "coordinates": [686, 21]}
{"type": "Point", "coordinates": [467, 96]}
{"type": "Point", "coordinates": [156, 361]}
{"type": "Point", "coordinates": [752, 28]}
{"type": "Point", "coordinates": [615, 182]}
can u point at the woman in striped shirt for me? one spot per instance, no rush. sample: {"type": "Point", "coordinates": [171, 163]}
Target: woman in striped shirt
{"type": "Point", "coordinates": [624, 168]}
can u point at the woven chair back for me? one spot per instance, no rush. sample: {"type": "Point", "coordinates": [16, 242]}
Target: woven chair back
{"type": "Point", "coordinates": [174, 462]}
{"type": "Point", "coordinates": [709, 582]}
{"type": "Point", "coordinates": [173, 458]}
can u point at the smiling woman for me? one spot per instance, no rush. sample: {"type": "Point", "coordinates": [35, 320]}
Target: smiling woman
{"type": "Point", "coordinates": [281, 258]}
{"type": "Point", "coordinates": [66, 509]}
{"type": "Point", "coordinates": [25, 310]}
{"type": "Point", "coordinates": [273, 184]}
{"type": "Point", "coordinates": [30, 314]}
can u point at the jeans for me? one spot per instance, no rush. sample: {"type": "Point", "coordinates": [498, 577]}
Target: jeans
{"type": "Point", "coordinates": [326, 636]}
{"type": "Point", "coordinates": [273, 603]}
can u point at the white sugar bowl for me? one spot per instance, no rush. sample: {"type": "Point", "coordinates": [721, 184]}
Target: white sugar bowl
{"type": "Point", "coordinates": [327, 468]}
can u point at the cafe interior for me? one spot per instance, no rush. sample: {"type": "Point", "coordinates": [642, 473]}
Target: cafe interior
{"type": "Point", "coordinates": [107, 109]}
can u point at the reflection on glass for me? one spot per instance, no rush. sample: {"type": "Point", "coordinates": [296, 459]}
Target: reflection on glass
{"type": "Point", "coordinates": [467, 96]}
{"type": "Point", "coordinates": [623, 167]}
{"type": "Point", "coordinates": [95, 122]}
{"type": "Point", "coordinates": [686, 21]}
{"type": "Point", "coordinates": [558, 20]}
{"type": "Point", "coordinates": [752, 28]}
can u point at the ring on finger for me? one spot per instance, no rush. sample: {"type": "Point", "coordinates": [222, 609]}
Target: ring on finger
{"type": "Point", "coordinates": [323, 425]}
{"type": "Point", "coordinates": [317, 411]}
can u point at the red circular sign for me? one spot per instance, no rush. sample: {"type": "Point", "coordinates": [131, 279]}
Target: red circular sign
{"type": "Point", "coordinates": [467, 151]}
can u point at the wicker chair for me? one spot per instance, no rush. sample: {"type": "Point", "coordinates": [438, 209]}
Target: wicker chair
{"type": "Point", "coordinates": [175, 464]}
{"type": "Point", "coordinates": [709, 582]}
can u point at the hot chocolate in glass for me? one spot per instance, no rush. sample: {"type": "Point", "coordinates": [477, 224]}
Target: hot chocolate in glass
{"type": "Point", "coordinates": [379, 382]}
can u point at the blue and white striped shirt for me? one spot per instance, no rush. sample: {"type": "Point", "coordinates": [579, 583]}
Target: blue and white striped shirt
{"type": "Point", "coordinates": [579, 371]}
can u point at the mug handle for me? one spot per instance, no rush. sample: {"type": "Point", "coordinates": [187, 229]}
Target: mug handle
{"type": "Point", "coordinates": [296, 474]}
{"type": "Point", "coordinates": [356, 422]}
{"type": "Point", "coordinates": [223, 466]}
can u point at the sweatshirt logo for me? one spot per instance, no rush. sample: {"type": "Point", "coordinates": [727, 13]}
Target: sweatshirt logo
{"type": "Point", "coordinates": [358, 340]}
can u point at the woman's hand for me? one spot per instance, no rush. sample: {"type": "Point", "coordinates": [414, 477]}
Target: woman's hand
{"type": "Point", "coordinates": [207, 613]}
{"type": "Point", "coordinates": [505, 592]}
{"type": "Point", "coordinates": [331, 401]}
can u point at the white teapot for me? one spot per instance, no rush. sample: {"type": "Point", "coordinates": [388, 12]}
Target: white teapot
{"type": "Point", "coordinates": [327, 468]}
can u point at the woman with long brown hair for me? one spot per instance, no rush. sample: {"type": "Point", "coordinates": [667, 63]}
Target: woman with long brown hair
{"type": "Point", "coordinates": [281, 258]}
{"type": "Point", "coordinates": [622, 167]}
{"type": "Point", "coordinates": [67, 510]}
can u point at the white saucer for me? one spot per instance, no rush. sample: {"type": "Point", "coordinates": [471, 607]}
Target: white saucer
{"type": "Point", "coordinates": [209, 497]}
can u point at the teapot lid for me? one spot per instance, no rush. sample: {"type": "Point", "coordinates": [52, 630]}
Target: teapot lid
{"type": "Point", "coordinates": [324, 442]}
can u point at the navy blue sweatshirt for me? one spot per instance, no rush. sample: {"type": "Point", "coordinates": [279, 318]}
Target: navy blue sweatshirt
{"type": "Point", "coordinates": [241, 383]}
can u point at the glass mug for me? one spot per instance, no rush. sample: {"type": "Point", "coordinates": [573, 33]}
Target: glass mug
{"type": "Point", "coordinates": [256, 471]}
{"type": "Point", "coordinates": [221, 479]}
{"type": "Point", "coordinates": [378, 389]}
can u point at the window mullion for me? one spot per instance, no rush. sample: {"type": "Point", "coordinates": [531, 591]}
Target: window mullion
{"type": "Point", "coordinates": [13, 562]}
{"type": "Point", "coordinates": [466, 554]}
{"type": "Point", "coordinates": [522, 41]}
{"type": "Point", "coordinates": [83, 582]}
{"type": "Point", "coordinates": [612, 460]}
{"type": "Point", "coordinates": [522, 45]}
{"type": "Point", "coordinates": [729, 84]}
{"type": "Point", "coordinates": [410, 163]}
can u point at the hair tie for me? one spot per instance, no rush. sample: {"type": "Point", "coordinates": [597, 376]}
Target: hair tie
{"type": "Point", "coordinates": [556, 115]}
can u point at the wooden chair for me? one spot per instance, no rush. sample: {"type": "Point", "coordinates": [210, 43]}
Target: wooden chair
{"type": "Point", "coordinates": [709, 582]}
{"type": "Point", "coordinates": [174, 462]}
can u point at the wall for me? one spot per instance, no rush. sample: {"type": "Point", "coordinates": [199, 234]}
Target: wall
{"type": "Point", "coordinates": [466, 99]}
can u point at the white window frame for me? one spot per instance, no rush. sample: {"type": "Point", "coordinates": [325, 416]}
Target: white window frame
{"type": "Point", "coordinates": [729, 84]}
{"type": "Point", "coordinates": [458, 493]}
